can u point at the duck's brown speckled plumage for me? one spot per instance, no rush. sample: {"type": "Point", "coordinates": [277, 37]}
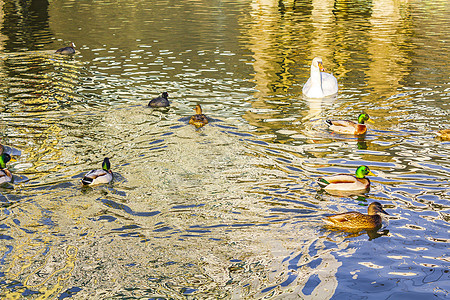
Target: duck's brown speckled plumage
{"type": "Point", "coordinates": [199, 119]}
{"type": "Point", "coordinates": [357, 220]}
{"type": "Point", "coordinates": [444, 134]}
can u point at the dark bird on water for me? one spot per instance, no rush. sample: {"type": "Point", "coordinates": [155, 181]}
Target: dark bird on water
{"type": "Point", "coordinates": [160, 101]}
{"type": "Point", "coordinates": [67, 50]}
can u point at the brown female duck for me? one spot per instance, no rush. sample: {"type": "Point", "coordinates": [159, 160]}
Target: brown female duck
{"type": "Point", "coordinates": [444, 134]}
{"type": "Point", "coordinates": [357, 220]}
{"type": "Point", "coordinates": [199, 119]}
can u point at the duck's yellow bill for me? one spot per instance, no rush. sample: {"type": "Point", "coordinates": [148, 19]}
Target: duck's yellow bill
{"type": "Point", "coordinates": [370, 120]}
{"type": "Point", "coordinates": [370, 173]}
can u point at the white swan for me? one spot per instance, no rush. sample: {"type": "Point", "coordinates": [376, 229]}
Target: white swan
{"type": "Point", "coordinates": [320, 84]}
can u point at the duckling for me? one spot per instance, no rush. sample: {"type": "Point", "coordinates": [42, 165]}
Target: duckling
{"type": "Point", "coordinates": [320, 84]}
{"type": "Point", "coordinates": [444, 134]}
{"type": "Point", "coordinates": [347, 182]}
{"type": "Point", "coordinates": [357, 220]}
{"type": "Point", "coordinates": [5, 174]}
{"type": "Point", "coordinates": [94, 177]}
{"type": "Point", "coordinates": [67, 50]}
{"type": "Point", "coordinates": [350, 127]}
{"type": "Point", "coordinates": [199, 119]}
{"type": "Point", "coordinates": [160, 101]}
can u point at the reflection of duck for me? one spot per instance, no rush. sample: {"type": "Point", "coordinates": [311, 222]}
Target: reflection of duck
{"type": "Point", "coordinates": [354, 219]}
{"type": "Point", "coordinates": [347, 182]}
{"type": "Point", "coordinates": [361, 144]}
{"type": "Point", "coordinates": [444, 134]}
{"type": "Point", "coordinates": [350, 127]}
{"type": "Point", "coordinates": [320, 84]}
{"type": "Point", "coordinates": [94, 177]}
{"type": "Point", "coordinates": [160, 101]}
{"type": "Point", "coordinates": [199, 119]}
{"type": "Point", "coordinates": [67, 50]}
{"type": "Point", "coordinates": [5, 174]}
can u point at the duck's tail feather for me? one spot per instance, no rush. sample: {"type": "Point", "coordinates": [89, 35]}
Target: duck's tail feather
{"type": "Point", "coordinates": [86, 180]}
{"type": "Point", "coordinates": [322, 182]}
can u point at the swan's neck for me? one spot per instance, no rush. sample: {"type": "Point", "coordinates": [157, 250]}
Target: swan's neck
{"type": "Point", "coordinates": [316, 80]}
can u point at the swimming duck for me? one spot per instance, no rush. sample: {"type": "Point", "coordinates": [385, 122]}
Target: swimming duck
{"type": "Point", "coordinates": [350, 127]}
{"type": "Point", "coordinates": [94, 177]}
{"type": "Point", "coordinates": [5, 174]}
{"type": "Point", "coordinates": [347, 182]}
{"type": "Point", "coordinates": [67, 50]}
{"type": "Point", "coordinates": [199, 119]}
{"type": "Point", "coordinates": [357, 220]}
{"type": "Point", "coordinates": [444, 134]}
{"type": "Point", "coordinates": [160, 101]}
{"type": "Point", "coordinates": [320, 84]}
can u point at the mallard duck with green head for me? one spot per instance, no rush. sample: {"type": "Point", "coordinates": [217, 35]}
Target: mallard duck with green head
{"type": "Point", "coordinates": [5, 174]}
{"type": "Point", "coordinates": [350, 127]}
{"type": "Point", "coordinates": [347, 182]}
{"type": "Point", "coordinates": [357, 220]}
{"type": "Point", "coordinates": [99, 176]}
{"type": "Point", "coordinates": [199, 119]}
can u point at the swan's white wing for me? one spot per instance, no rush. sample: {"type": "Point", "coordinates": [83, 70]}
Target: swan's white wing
{"type": "Point", "coordinates": [329, 84]}
{"type": "Point", "coordinates": [307, 86]}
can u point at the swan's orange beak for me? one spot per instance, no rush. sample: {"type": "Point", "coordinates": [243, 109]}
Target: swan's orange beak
{"type": "Point", "coordinates": [321, 68]}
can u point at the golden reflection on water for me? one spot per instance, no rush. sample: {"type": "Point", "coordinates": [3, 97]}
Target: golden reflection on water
{"type": "Point", "coordinates": [383, 37]}
{"type": "Point", "coordinates": [46, 275]}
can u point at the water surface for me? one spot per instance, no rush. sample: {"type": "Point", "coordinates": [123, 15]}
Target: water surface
{"type": "Point", "coordinates": [231, 210]}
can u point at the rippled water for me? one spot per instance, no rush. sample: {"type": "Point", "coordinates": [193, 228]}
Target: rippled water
{"type": "Point", "coordinates": [231, 210]}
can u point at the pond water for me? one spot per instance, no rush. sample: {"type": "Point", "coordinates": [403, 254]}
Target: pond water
{"type": "Point", "coordinates": [231, 210]}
